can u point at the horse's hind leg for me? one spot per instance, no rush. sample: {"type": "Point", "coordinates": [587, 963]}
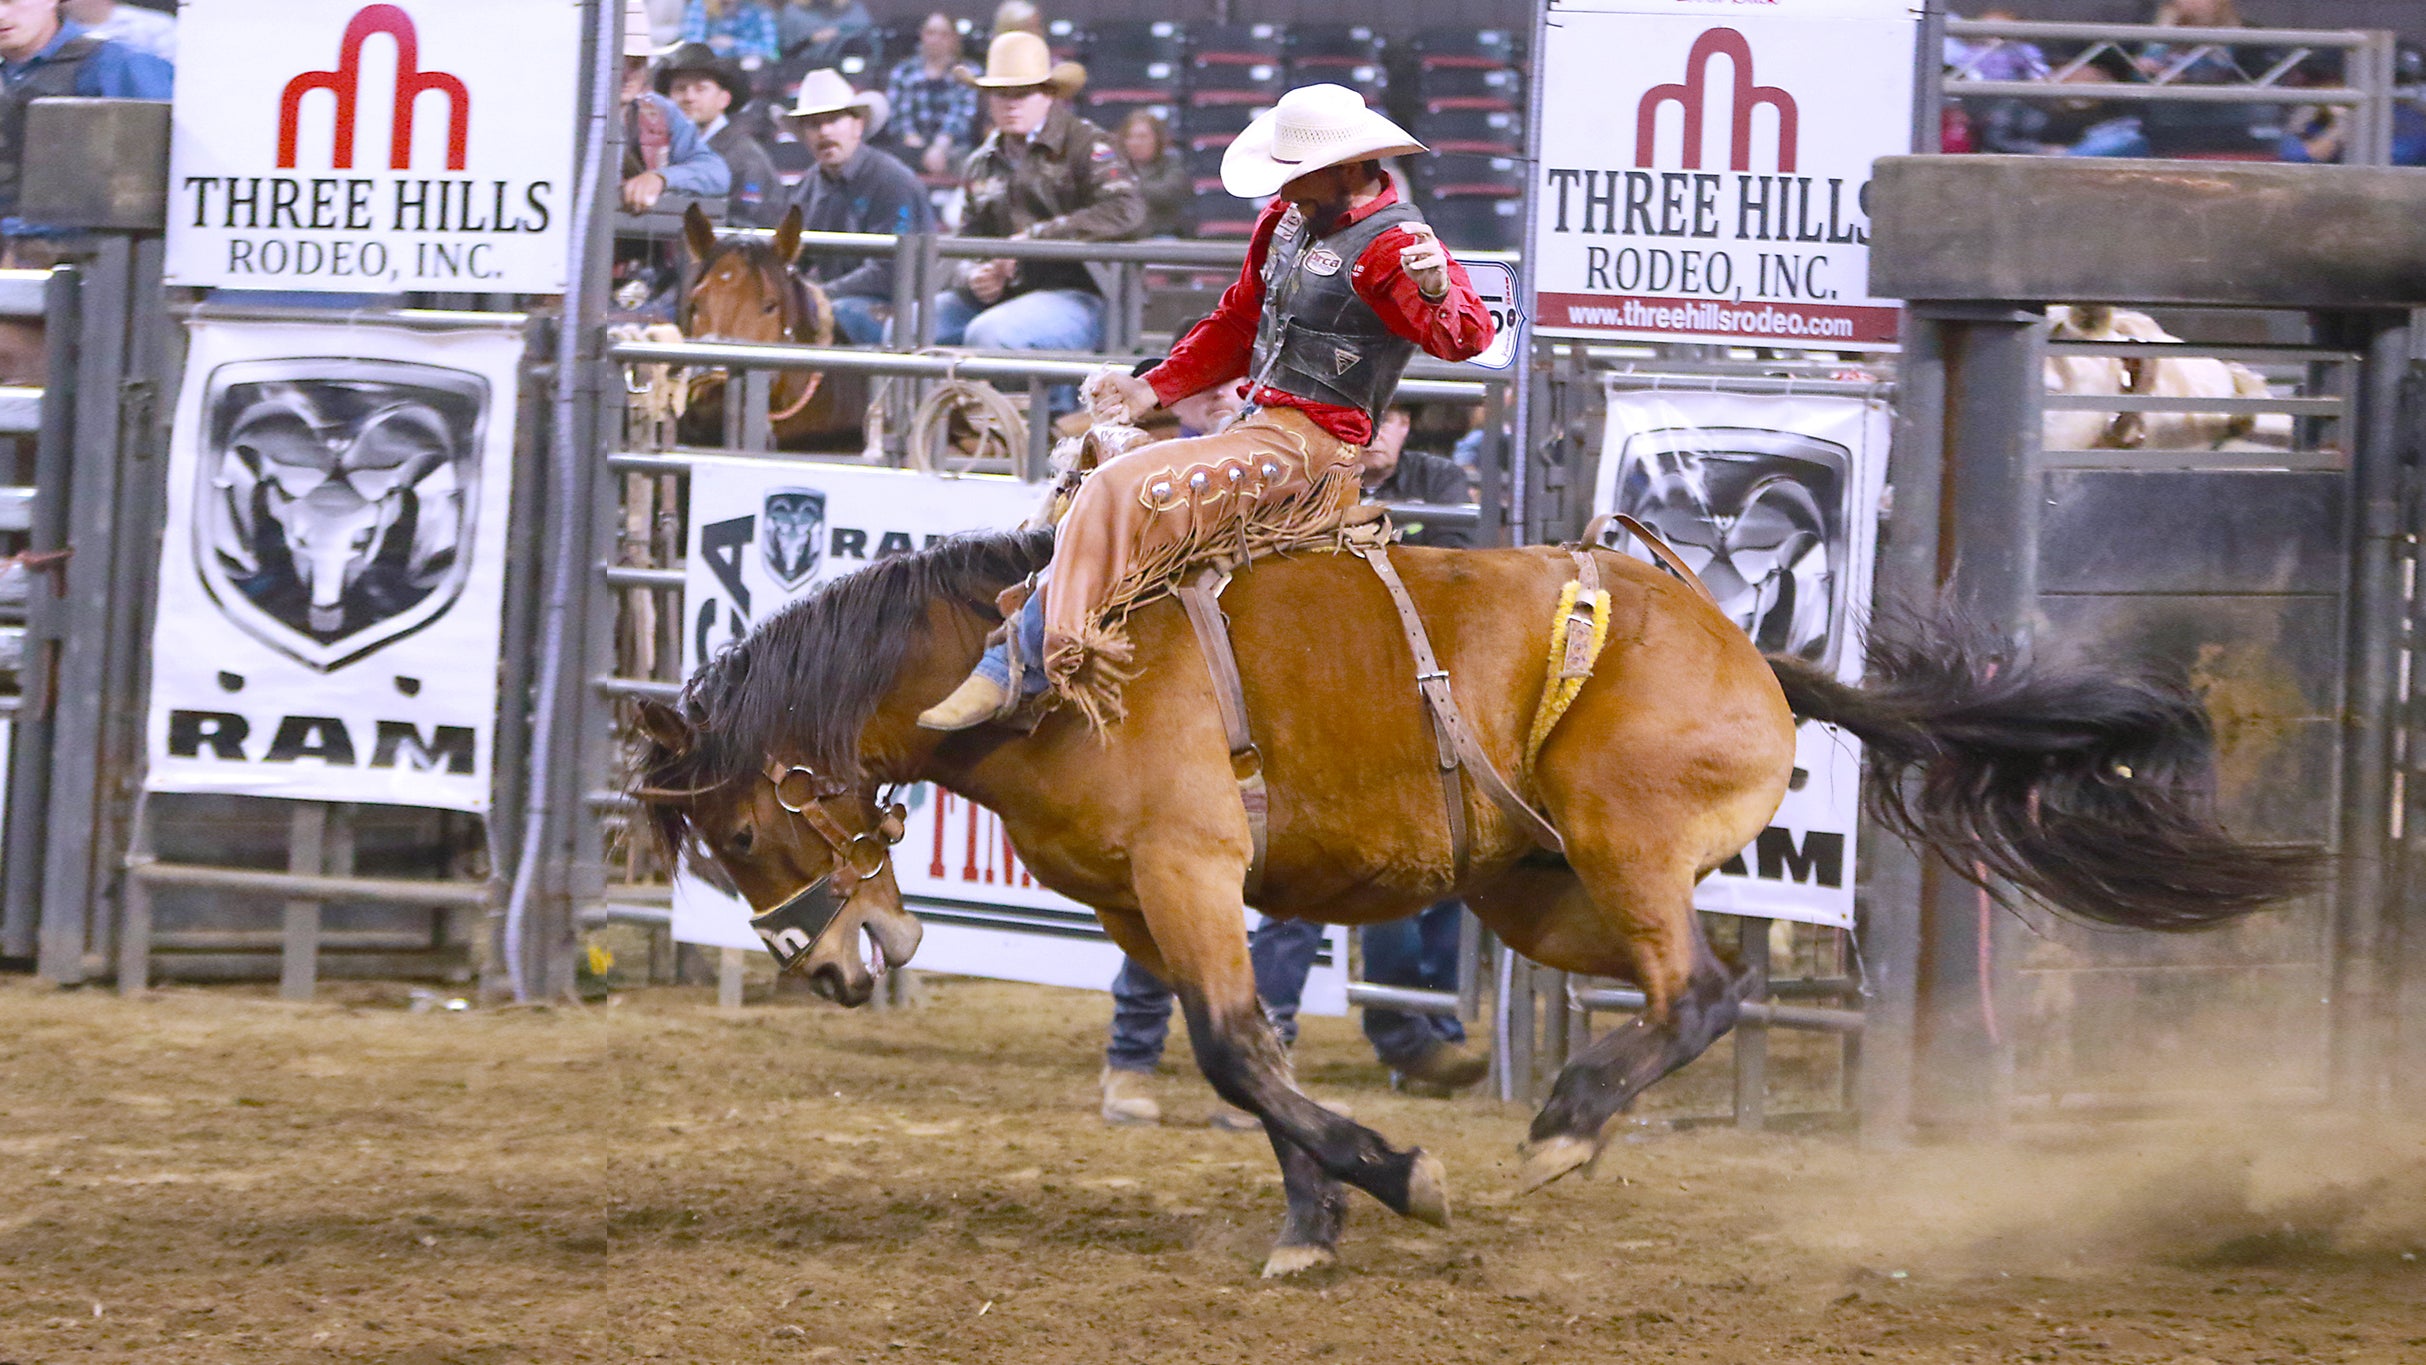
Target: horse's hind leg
{"type": "Point", "coordinates": [1634, 920]}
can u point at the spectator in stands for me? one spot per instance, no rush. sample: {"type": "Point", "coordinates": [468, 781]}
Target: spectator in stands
{"type": "Point", "coordinates": [1393, 473]}
{"type": "Point", "coordinates": [1997, 59]}
{"type": "Point", "coordinates": [662, 150]}
{"type": "Point", "coordinates": [708, 89]}
{"type": "Point", "coordinates": [1044, 173]}
{"type": "Point", "coordinates": [1162, 174]}
{"type": "Point", "coordinates": [2213, 67]}
{"type": "Point", "coordinates": [2318, 135]}
{"type": "Point", "coordinates": [2077, 126]}
{"type": "Point", "coordinates": [854, 187]}
{"type": "Point", "coordinates": [934, 106]}
{"type": "Point", "coordinates": [743, 30]}
{"type": "Point", "coordinates": [43, 54]}
{"type": "Point", "coordinates": [813, 33]}
{"type": "Point", "coordinates": [139, 27]}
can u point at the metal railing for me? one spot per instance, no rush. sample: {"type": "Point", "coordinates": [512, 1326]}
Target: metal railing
{"type": "Point", "coordinates": [2197, 66]}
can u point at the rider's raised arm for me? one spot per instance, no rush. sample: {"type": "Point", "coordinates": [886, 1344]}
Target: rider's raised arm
{"type": "Point", "coordinates": [1456, 327]}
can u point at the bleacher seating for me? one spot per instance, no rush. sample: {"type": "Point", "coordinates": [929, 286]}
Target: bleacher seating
{"type": "Point", "coordinates": [1489, 49]}
{"type": "Point", "coordinates": [1327, 46]}
{"type": "Point", "coordinates": [1222, 215]}
{"type": "Point", "coordinates": [1226, 82]}
{"type": "Point", "coordinates": [1436, 88]}
{"type": "Point", "coordinates": [1470, 130]}
{"type": "Point", "coordinates": [1478, 224]}
{"type": "Point", "coordinates": [1236, 44]}
{"type": "Point", "coordinates": [1470, 175]}
{"type": "Point", "coordinates": [1159, 40]}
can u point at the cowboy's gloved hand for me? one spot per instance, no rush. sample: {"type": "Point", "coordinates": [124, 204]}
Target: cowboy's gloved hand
{"type": "Point", "coordinates": [1117, 398]}
{"type": "Point", "coordinates": [1426, 262]}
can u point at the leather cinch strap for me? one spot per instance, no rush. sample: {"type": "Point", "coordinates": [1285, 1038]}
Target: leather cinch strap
{"type": "Point", "coordinates": [1455, 743]}
{"type": "Point", "coordinates": [1201, 598]}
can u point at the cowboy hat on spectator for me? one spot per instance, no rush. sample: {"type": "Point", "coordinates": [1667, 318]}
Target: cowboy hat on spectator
{"type": "Point", "coordinates": [1312, 127]}
{"type": "Point", "coordinates": [1019, 60]}
{"type": "Point", "coordinates": [829, 92]}
{"type": "Point", "coordinates": [639, 35]}
{"type": "Point", "coordinates": [698, 59]}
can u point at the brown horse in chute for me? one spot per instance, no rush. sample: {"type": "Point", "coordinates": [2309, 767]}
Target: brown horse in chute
{"type": "Point", "coordinates": [745, 289]}
{"type": "Point", "coordinates": [2091, 789]}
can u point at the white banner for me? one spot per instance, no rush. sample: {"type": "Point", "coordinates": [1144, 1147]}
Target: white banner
{"type": "Point", "coordinates": [333, 567]}
{"type": "Point", "coordinates": [1705, 169]}
{"type": "Point", "coordinates": [764, 531]}
{"type": "Point", "coordinates": [412, 144]}
{"type": "Point", "coordinates": [1774, 502]}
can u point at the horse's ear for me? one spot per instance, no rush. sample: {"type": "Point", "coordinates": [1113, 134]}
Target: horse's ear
{"type": "Point", "coordinates": [787, 236]}
{"type": "Point", "coordinates": [665, 725]}
{"type": "Point", "coordinates": [698, 233]}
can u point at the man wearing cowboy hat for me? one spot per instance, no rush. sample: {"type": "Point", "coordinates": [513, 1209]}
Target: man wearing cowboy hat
{"type": "Point", "coordinates": [1044, 173]}
{"type": "Point", "coordinates": [853, 188]}
{"type": "Point", "coordinates": [1342, 285]}
{"type": "Point", "coordinates": [708, 89]}
{"type": "Point", "coordinates": [662, 150]}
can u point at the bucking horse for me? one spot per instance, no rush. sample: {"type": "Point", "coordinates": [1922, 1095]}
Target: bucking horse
{"type": "Point", "coordinates": [2091, 788]}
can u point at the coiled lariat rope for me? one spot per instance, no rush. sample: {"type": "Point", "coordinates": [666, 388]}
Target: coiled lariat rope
{"type": "Point", "coordinates": [1001, 428]}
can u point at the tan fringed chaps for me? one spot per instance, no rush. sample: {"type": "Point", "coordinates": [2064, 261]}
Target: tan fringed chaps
{"type": "Point", "coordinates": [1141, 520]}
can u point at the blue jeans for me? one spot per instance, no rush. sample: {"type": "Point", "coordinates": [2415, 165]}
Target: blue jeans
{"type": "Point", "coordinates": [995, 663]}
{"type": "Point", "coordinates": [1282, 951]}
{"type": "Point", "coordinates": [1045, 320]}
{"type": "Point", "coordinates": [855, 315]}
{"type": "Point", "coordinates": [1420, 951]}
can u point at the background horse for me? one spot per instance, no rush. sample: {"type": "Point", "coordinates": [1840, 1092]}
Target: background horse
{"type": "Point", "coordinates": [747, 290]}
{"type": "Point", "coordinates": [2091, 789]}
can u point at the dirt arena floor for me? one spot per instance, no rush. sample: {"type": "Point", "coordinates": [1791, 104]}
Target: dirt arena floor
{"type": "Point", "coordinates": [216, 1176]}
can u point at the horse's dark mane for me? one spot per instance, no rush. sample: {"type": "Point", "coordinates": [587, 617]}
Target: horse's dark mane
{"type": "Point", "coordinates": [804, 682]}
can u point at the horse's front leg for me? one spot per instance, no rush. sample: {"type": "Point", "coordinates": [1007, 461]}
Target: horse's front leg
{"type": "Point", "coordinates": [1192, 909]}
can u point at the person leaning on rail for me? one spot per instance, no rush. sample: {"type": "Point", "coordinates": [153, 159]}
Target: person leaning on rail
{"type": "Point", "coordinates": [854, 187]}
{"type": "Point", "coordinates": [710, 90]}
{"type": "Point", "coordinates": [1342, 285]}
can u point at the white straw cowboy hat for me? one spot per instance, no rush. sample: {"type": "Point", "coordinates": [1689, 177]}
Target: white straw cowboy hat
{"type": "Point", "coordinates": [639, 35]}
{"type": "Point", "coordinates": [829, 92]}
{"type": "Point", "coordinates": [1312, 127]}
{"type": "Point", "coordinates": [1019, 60]}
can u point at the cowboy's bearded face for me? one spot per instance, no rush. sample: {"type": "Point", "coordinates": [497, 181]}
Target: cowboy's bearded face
{"type": "Point", "coordinates": [834, 138]}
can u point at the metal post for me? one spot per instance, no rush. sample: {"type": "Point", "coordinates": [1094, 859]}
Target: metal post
{"type": "Point", "coordinates": [2360, 997]}
{"type": "Point", "coordinates": [1554, 1008]}
{"type": "Point", "coordinates": [1752, 1038]}
{"type": "Point", "coordinates": [29, 784]}
{"type": "Point", "coordinates": [1470, 959]}
{"type": "Point", "coordinates": [83, 655]}
{"type": "Point", "coordinates": [299, 951]}
{"type": "Point", "coordinates": [1929, 79]}
{"type": "Point", "coordinates": [1530, 371]}
{"type": "Point", "coordinates": [1992, 359]}
{"type": "Point", "coordinates": [1887, 937]}
{"type": "Point", "coordinates": [757, 388]}
{"type": "Point", "coordinates": [1491, 523]}
{"type": "Point", "coordinates": [1036, 462]}
{"type": "Point", "coordinates": [730, 966]}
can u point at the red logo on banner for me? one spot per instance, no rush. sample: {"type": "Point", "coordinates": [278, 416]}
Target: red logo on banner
{"type": "Point", "coordinates": [1693, 96]}
{"type": "Point", "coordinates": [344, 83]}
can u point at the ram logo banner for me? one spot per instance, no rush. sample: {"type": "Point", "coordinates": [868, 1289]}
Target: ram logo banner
{"type": "Point", "coordinates": [336, 499]}
{"type": "Point", "coordinates": [332, 574]}
{"type": "Point", "coordinates": [791, 539]}
{"type": "Point", "coordinates": [1773, 501]}
{"type": "Point", "coordinates": [368, 148]}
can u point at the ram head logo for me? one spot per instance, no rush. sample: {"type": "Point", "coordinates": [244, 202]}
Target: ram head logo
{"type": "Point", "coordinates": [336, 505]}
{"type": "Point", "coordinates": [794, 540]}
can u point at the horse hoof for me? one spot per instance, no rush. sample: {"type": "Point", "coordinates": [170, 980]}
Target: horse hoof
{"type": "Point", "coordinates": [1297, 1260]}
{"type": "Point", "coordinates": [1428, 1191]}
{"type": "Point", "coordinates": [1552, 1158]}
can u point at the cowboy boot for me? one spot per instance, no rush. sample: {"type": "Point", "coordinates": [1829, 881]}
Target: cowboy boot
{"type": "Point", "coordinates": [973, 703]}
{"type": "Point", "coordinates": [1125, 1099]}
{"type": "Point", "coordinates": [1441, 1071]}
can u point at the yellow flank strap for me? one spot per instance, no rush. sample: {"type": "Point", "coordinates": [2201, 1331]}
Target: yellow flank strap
{"type": "Point", "coordinates": [1561, 679]}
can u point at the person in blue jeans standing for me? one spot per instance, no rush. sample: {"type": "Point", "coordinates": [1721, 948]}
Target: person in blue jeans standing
{"type": "Point", "coordinates": [1426, 1053]}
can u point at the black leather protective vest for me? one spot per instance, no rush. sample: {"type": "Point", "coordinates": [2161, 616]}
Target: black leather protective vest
{"type": "Point", "coordinates": [1316, 339]}
{"type": "Point", "coordinates": [56, 76]}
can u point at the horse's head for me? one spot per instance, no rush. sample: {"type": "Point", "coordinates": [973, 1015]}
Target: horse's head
{"type": "Point", "coordinates": [745, 289]}
{"type": "Point", "coordinates": [810, 853]}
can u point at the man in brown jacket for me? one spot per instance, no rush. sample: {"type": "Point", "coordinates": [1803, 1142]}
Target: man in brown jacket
{"type": "Point", "coordinates": [1044, 173]}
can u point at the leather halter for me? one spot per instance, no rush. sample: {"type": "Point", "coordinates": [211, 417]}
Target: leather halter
{"type": "Point", "coordinates": [792, 929]}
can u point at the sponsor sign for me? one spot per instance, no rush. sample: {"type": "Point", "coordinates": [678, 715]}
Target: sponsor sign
{"type": "Point", "coordinates": [1774, 502]}
{"type": "Point", "coordinates": [333, 567]}
{"type": "Point", "coordinates": [1704, 169]}
{"type": "Point", "coordinates": [1495, 284]}
{"type": "Point", "coordinates": [763, 532]}
{"type": "Point", "coordinates": [414, 144]}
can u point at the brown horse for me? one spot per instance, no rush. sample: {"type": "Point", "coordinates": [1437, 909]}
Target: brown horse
{"type": "Point", "coordinates": [2089, 788]}
{"type": "Point", "coordinates": [747, 290]}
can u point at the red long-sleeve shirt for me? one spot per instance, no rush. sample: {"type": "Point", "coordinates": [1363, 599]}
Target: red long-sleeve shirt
{"type": "Point", "coordinates": [1218, 348]}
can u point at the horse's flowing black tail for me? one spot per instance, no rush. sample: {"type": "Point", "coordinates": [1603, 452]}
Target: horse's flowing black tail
{"type": "Point", "coordinates": [2092, 788]}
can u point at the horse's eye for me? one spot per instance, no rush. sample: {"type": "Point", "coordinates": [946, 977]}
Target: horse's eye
{"type": "Point", "coordinates": [741, 840]}
{"type": "Point", "coordinates": [771, 305]}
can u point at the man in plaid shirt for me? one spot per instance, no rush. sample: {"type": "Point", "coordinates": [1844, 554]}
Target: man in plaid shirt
{"type": "Point", "coordinates": [743, 30]}
{"type": "Point", "coordinates": [934, 109]}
